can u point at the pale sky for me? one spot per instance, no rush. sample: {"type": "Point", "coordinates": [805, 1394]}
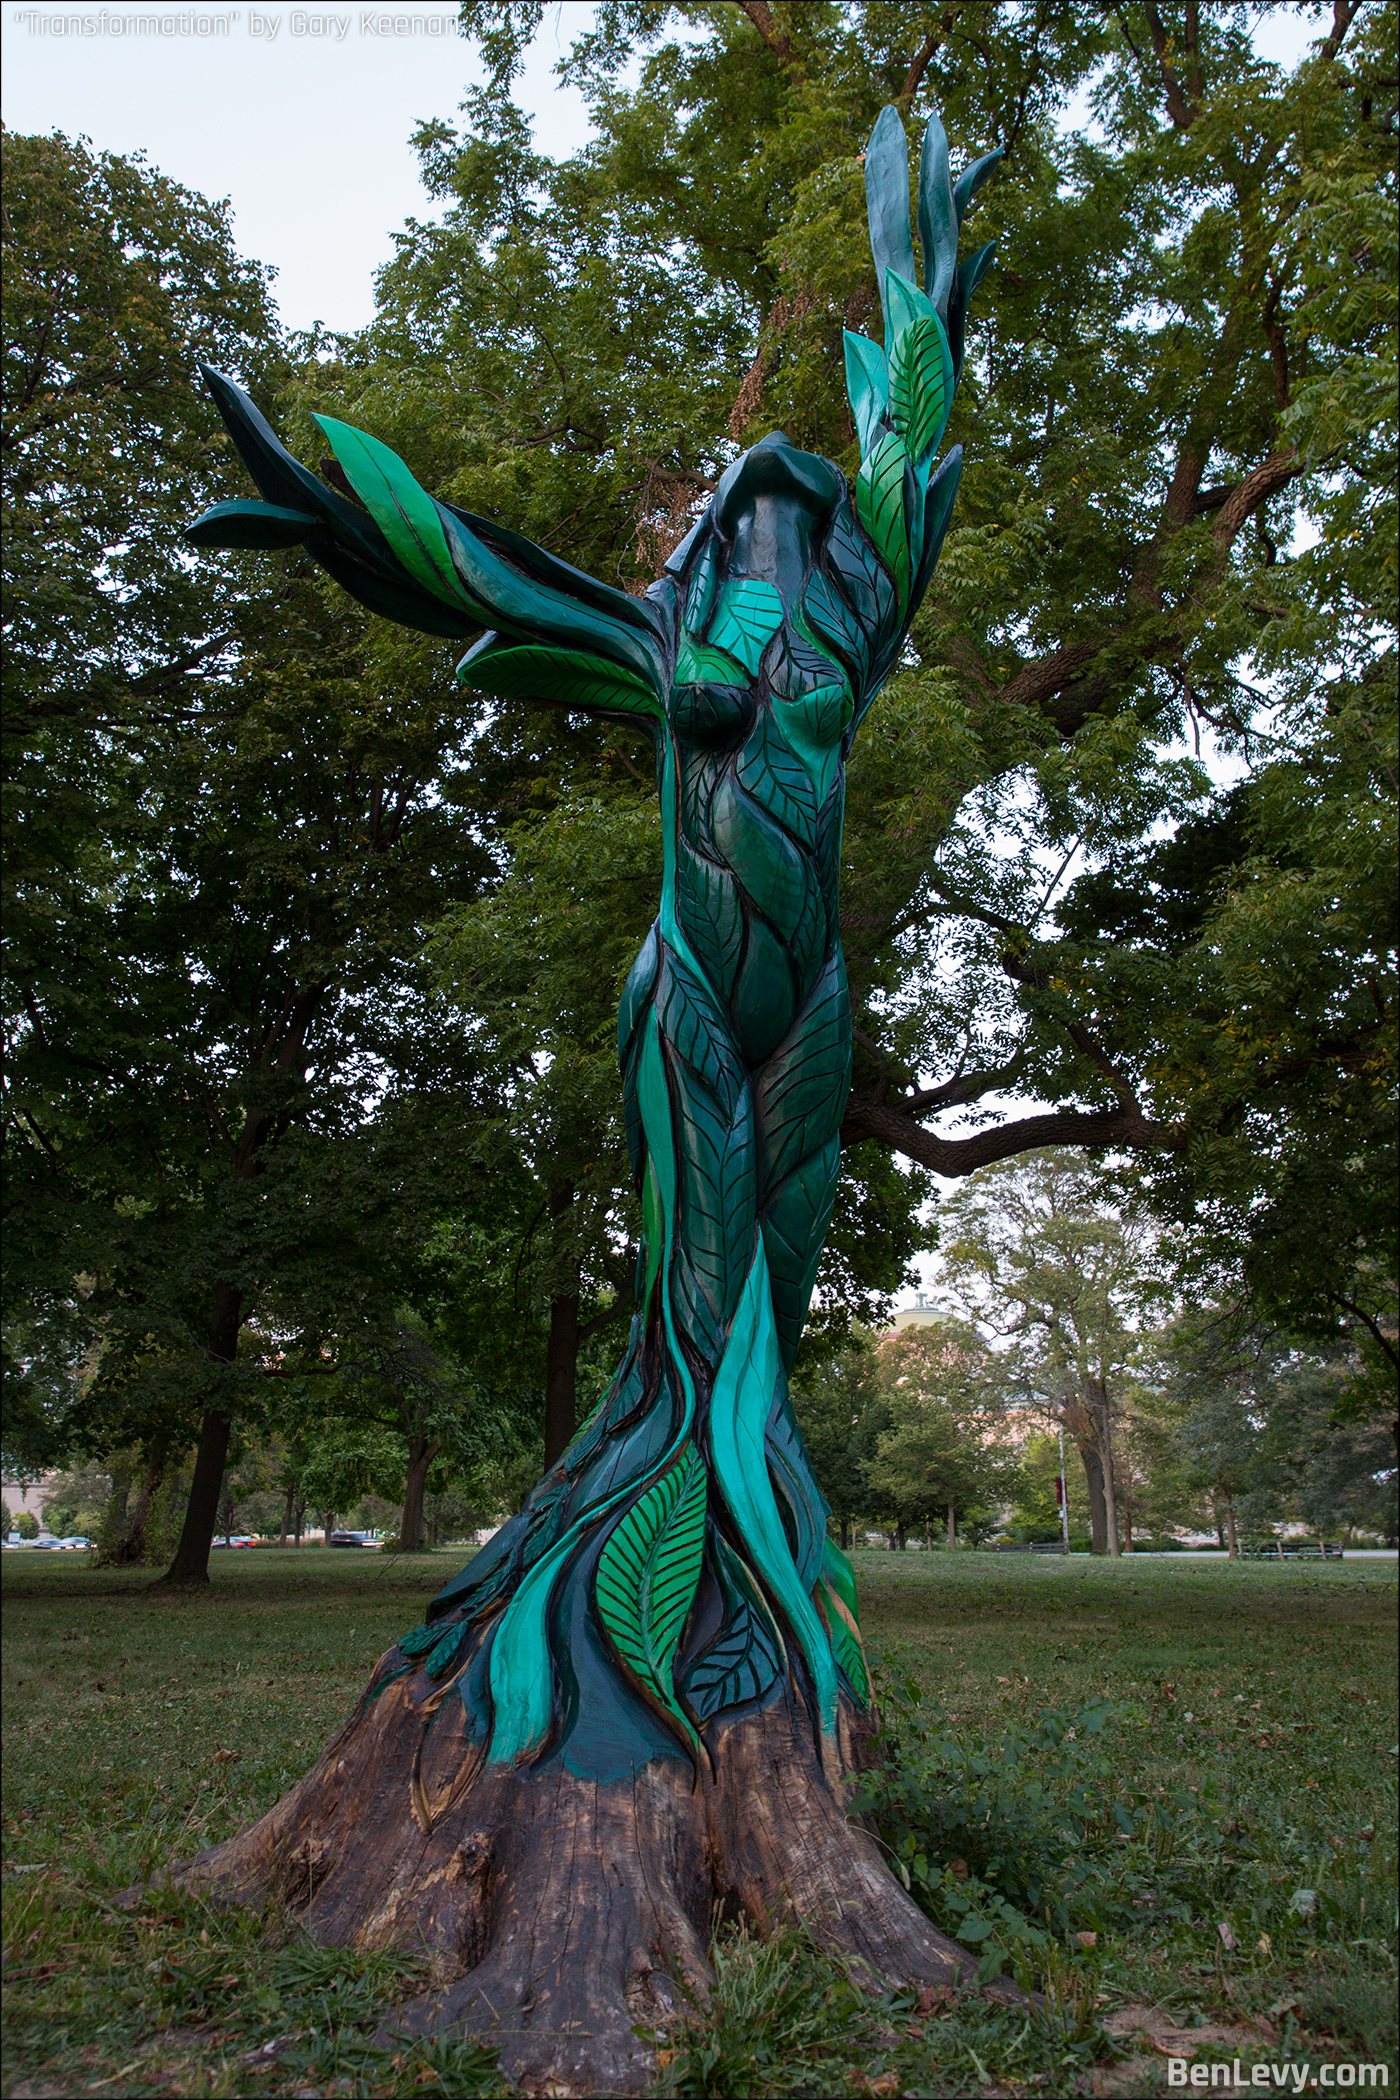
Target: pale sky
{"type": "Point", "coordinates": [301, 116]}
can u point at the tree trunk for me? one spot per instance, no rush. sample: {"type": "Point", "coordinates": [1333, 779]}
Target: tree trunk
{"type": "Point", "coordinates": [191, 1562]}
{"type": "Point", "coordinates": [1098, 1508]}
{"type": "Point", "coordinates": [128, 1548]}
{"type": "Point", "coordinates": [287, 1509]}
{"type": "Point", "coordinates": [1096, 1400]}
{"type": "Point", "coordinates": [845, 1524]}
{"type": "Point", "coordinates": [327, 1525]}
{"type": "Point", "coordinates": [563, 1912]}
{"type": "Point", "coordinates": [301, 1519]}
{"type": "Point", "coordinates": [226, 1512]}
{"type": "Point", "coordinates": [952, 1530]}
{"type": "Point", "coordinates": [561, 1358]}
{"type": "Point", "coordinates": [900, 1537]}
{"type": "Point", "coordinates": [1230, 1526]}
{"type": "Point", "coordinates": [421, 1453]}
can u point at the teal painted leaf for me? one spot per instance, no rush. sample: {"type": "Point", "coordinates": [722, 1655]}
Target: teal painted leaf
{"type": "Point", "coordinates": [746, 1656]}
{"type": "Point", "coordinates": [861, 579]}
{"type": "Point", "coordinates": [563, 677]}
{"type": "Point", "coordinates": [692, 1026]}
{"type": "Point", "coordinates": [887, 199]}
{"type": "Point", "coordinates": [711, 917]}
{"type": "Point", "coordinates": [833, 623]}
{"type": "Point", "coordinates": [647, 1573]}
{"type": "Point", "coordinates": [774, 872]}
{"type": "Point", "coordinates": [404, 513]}
{"type": "Point", "coordinates": [938, 216]}
{"type": "Point", "coordinates": [971, 180]}
{"type": "Point", "coordinates": [445, 1654]}
{"type": "Point", "coordinates": [867, 387]}
{"type": "Point", "coordinates": [262, 525]}
{"type": "Point", "coordinates": [795, 1218]}
{"type": "Point", "coordinates": [921, 386]}
{"type": "Point", "coordinates": [420, 1640]}
{"type": "Point", "coordinates": [777, 779]}
{"type": "Point", "coordinates": [906, 305]}
{"type": "Point", "coordinates": [880, 508]}
{"type": "Point", "coordinates": [700, 596]}
{"type": "Point", "coordinates": [749, 615]}
{"type": "Point", "coordinates": [699, 665]}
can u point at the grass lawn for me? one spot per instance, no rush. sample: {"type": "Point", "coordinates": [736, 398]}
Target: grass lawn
{"type": "Point", "coordinates": [1232, 1850]}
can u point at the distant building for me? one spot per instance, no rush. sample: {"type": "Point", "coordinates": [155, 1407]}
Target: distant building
{"type": "Point", "coordinates": [18, 1497]}
{"type": "Point", "coordinates": [919, 1314]}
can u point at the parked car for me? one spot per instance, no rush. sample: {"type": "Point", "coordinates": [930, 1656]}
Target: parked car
{"type": "Point", "coordinates": [236, 1541]}
{"type": "Point", "coordinates": [351, 1538]}
{"type": "Point", "coordinates": [76, 1544]}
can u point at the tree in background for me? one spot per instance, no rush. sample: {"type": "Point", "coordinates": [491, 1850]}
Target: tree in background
{"type": "Point", "coordinates": [945, 1454]}
{"type": "Point", "coordinates": [1038, 1251]}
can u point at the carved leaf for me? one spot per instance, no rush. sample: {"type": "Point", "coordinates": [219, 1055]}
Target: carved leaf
{"type": "Point", "coordinates": [921, 386]}
{"type": "Point", "coordinates": [750, 614]}
{"type": "Point", "coordinates": [867, 387]}
{"type": "Point", "coordinates": [647, 1574]}
{"type": "Point", "coordinates": [747, 1653]}
{"type": "Point", "coordinates": [699, 664]}
{"type": "Point", "coordinates": [404, 513]}
{"type": "Point", "coordinates": [880, 507]}
{"type": "Point", "coordinates": [567, 677]}
{"type": "Point", "coordinates": [777, 779]}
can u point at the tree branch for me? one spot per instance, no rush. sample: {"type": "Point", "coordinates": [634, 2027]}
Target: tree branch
{"type": "Point", "coordinates": [953, 1157]}
{"type": "Point", "coordinates": [761, 15]}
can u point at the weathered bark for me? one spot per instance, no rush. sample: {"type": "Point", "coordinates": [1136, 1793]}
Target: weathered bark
{"type": "Point", "coordinates": [561, 1913]}
{"type": "Point", "coordinates": [421, 1453]}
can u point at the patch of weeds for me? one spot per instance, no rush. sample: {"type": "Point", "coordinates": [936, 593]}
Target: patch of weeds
{"type": "Point", "coordinates": [781, 2018]}
{"type": "Point", "coordinates": [997, 1842]}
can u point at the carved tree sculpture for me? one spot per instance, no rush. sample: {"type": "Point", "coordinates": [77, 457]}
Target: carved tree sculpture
{"type": "Point", "coordinates": [644, 1698]}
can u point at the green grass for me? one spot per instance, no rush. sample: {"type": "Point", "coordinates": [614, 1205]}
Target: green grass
{"type": "Point", "coordinates": [140, 1725]}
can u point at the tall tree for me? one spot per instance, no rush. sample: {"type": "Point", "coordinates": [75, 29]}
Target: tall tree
{"type": "Point", "coordinates": [1041, 1252]}
{"type": "Point", "coordinates": [946, 1453]}
{"type": "Point", "coordinates": [229, 826]}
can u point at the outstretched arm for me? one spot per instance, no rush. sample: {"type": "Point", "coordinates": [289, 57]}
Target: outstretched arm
{"type": "Point", "coordinates": [901, 395]}
{"type": "Point", "coordinates": [557, 634]}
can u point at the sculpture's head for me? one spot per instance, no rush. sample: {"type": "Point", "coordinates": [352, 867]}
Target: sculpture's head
{"type": "Point", "coordinates": [764, 515]}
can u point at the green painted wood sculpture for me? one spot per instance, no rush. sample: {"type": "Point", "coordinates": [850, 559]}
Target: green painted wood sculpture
{"type": "Point", "coordinates": [672, 1571]}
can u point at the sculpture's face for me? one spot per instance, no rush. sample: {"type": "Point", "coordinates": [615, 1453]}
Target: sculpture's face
{"type": "Point", "coordinates": [767, 508]}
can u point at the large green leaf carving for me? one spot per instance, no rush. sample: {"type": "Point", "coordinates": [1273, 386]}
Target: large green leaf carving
{"type": "Point", "coordinates": [746, 1655]}
{"type": "Point", "coordinates": [266, 526]}
{"type": "Point", "coordinates": [921, 386]}
{"type": "Point", "coordinates": [750, 614]}
{"type": "Point", "coordinates": [880, 508]}
{"type": "Point", "coordinates": [404, 513]}
{"type": "Point", "coordinates": [567, 677]}
{"type": "Point", "coordinates": [773, 774]}
{"type": "Point", "coordinates": [647, 1574]}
